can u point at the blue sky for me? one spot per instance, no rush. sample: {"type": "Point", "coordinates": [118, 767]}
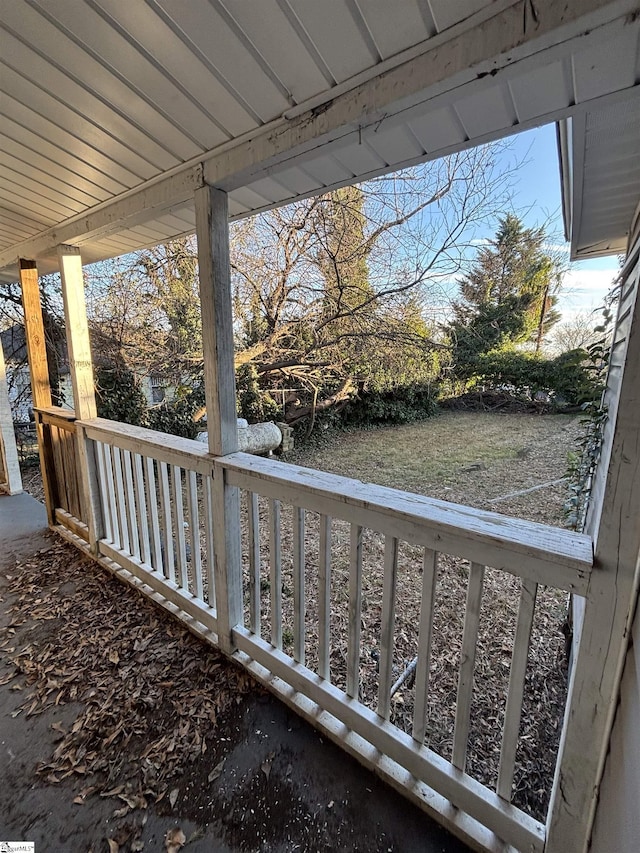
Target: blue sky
{"type": "Point", "coordinates": [538, 193]}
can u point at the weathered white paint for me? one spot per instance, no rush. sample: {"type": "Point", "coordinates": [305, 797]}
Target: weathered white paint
{"type": "Point", "coordinates": [609, 606]}
{"type": "Point", "coordinates": [212, 228]}
{"type": "Point", "coordinates": [513, 710]}
{"type": "Point", "coordinates": [548, 555]}
{"type": "Point", "coordinates": [617, 820]}
{"type": "Point", "coordinates": [10, 479]}
{"type": "Point", "coordinates": [467, 665]}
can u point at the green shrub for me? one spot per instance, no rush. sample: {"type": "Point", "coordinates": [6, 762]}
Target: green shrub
{"type": "Point", "coordinates": [176, 417]}
{"type": "Point", "coordinates": [400, 405]}
{"type": "Point", "coordinates": [119, 396]}
{"type": "Point", "coordinates": [566, 377]}
{"type": "Point", "coordinates": [254, 404]}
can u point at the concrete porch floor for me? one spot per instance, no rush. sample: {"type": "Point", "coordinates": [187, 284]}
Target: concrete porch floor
{"type": "Point", "coordinates": [331, 802]}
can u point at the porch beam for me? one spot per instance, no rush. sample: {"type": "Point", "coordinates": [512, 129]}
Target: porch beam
{"type": "Point", "coordinates": [608, 614]}
{"type": "Point", "coordinates": [499, 40]}
{"type": "Point", "coordinates": [39, 376]}
{"type": "Point", "coordinates": [212, 228]}
{"type": "Point", "coordinates": [11, 481]}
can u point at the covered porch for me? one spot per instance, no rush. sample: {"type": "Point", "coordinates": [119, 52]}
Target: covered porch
{"type": "Point", "coordinates": [187, 524]}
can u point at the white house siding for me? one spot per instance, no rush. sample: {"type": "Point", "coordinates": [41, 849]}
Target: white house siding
{"type": "Point", "coordinates": [617, 824]}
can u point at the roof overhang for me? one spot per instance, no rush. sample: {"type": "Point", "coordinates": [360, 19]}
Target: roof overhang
{"type": "Point", "coordinates": [600, 177]}
{"type": "Point", "coordinates": [104, 145]}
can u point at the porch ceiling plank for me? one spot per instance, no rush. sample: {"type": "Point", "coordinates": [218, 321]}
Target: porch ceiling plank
{"type": "Point", "coordinates": [43, 150]}
{"type": "Point", "coordinates": [559, 558]}
{"type": "Point", "coordinates": [83, 153]}
{"type": "Point", "coordinates": [128, 75]}
{"type": "Point", "coordinates": [485, 48]}
{"type": "Point", "coordinates": [128, 151]}
{"type": "Point", "coordinates": [48, 170]}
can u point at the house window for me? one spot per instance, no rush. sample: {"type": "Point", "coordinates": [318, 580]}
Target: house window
{"type": "Point", "coordinates": [157, 394]}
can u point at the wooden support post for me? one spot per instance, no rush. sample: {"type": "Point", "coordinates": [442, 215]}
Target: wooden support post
{"type": "Point", "coordinates": [609, 607]}
{"type": "Point", "coordinates": [10, 479]}
{"type": "Point", "coordinates": [39, 376]}
{"type": "Point", "coordinates": [84, 398]}
{"type": "Point", "coordinates": [212, 227]}
{"type": "Point", "coordinates": [75, 314]}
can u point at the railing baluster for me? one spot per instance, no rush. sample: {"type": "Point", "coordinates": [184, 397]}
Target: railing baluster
{"type": "Point", "coordinates": [111, 494]}
{"type": "Point", "coordinates": [298, 584]}
{"type": "Point", "coordinates": [143, 522]}
{"type": "Point", "coordinates": [207, 482]}
{"type": "Point", "coordinates": [152, 504]}
{"type": "Point", "coordinates": [388, 625]}
{"type": "Point", "coordinates": [104, 494]}
{"type": "Point", "coordinates": [429, 580]}
{"type": "Point", "coordinates": [275, 558]}
{"type": "Point", "coordinates": [355, 610]}
{"type": "Point", "coordinates": [467, 664]}
{"type": "Point", "coordinates": [324, 598]}
{"type": "Point", "coordinates": [120, 499]}
{"type": "Point", "coordinates": [254, 561]}
{"type": "Point", "coordinates": [131, 504]}
{"type": "Point", "coordinates": [167, 524]}
{"type": "Point", "coordinates": [194, 532]}
{"type": "Point", "coordinates": [181, 545]}
{"type": "Point", "coordinates": [513, 710]}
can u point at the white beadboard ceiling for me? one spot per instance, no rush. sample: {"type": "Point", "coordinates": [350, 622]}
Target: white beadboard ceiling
{"type": "Point", "coordinates": [111, 111]}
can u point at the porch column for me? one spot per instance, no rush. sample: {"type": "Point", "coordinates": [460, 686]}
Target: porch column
{"type": "Point", "coordinates": [75, 315]}
{"type": "Point", "coordinates": [84, 398]}
{"type": "Point", "coordinates": [39, 376]}
{"type": "Point", "coordinates": [212, 227]}
{"type": "Point", "coordinates": [608, 614]}
{"type": "Point", "coordinates": [11, 480]}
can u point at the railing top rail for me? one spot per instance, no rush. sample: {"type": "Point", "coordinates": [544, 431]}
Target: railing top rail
{"type": "Point", "coordinates": [173, 449]}
{"type": "Point", "coordinates": [549, 555]}
{"type": "Point", "coordinates": [56, 412]}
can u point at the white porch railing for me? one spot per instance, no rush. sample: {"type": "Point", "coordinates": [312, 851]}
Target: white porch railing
{"type": "Point", "coordinates": [298, 526]}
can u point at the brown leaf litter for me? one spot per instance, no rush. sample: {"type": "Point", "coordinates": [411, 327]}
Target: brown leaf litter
{"type": "Point", "coordinates": [148, 692]}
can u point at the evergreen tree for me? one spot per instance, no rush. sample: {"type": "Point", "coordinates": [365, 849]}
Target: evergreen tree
{"type": "Point", "coordinates": [508, 296]}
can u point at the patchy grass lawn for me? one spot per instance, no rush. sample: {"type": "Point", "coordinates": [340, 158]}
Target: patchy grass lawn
{"type": "Point", "coordinates": [464, 457]}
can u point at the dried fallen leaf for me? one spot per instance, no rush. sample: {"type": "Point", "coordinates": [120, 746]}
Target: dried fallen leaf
{"type": "Point", "coordinates": [266, 764]}
{"type": "Point", "coordinates": [174, 840]}
{"type": "Point", "coordinates": [173, 797]}
{"type": "Point", "coordinates": [217, 771]}
{"type": "Point", "coordinates": [114, 657]}
{"type": "Point", "coordinates": [79, 801]}
{"type": "Point", "coordinates": [114, 847]}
